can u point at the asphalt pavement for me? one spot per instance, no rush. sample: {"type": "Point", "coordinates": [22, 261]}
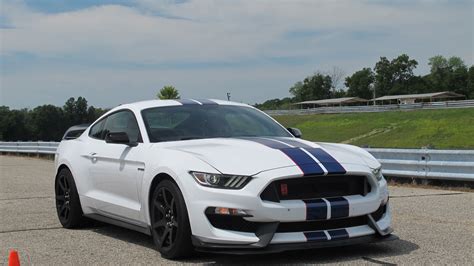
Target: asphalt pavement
{"type": "Point", "coordinates": [434, 226]}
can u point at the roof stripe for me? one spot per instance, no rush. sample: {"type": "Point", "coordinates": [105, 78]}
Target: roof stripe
{"type": "Point", "coordinates": [187, 102]}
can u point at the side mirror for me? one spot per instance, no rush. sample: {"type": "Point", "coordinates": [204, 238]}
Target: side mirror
{"type": "Point", "coordinates": [119, 138]}
{"type": "Point", "coordinates": [295, 132]}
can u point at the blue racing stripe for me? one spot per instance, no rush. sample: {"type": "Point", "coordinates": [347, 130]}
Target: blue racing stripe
{"type": "Point", "coordinates": [338, 234]}
{"type": "Point", "coordinates": [304, 161]}
{"type": "Point", "coordinates": [333, 166]}
{"type": "Point", "coordinates": [315, 236]}
{"type": "Point", "coordinates": [296, 143]}
{"type": "Point", "coordinates": [206, 102]}
{"type": "Point", "coordinates": [316, 209]}
{"type": "Point", "coordinates": [270, 143]}
{"type": "Point", "coordinates": [339, 207]}
{"type": "Point", "coordinates": [187, 102]}
{"type": "Point", "coordinates": [307, 164]}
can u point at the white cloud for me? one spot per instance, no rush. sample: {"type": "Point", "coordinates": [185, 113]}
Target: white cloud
{"type": "Point", "coordinates": [157, 34]}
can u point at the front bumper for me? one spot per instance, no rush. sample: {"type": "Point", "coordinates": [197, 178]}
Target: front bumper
{"type": "Point", "coordinates": [270, 214]}
{"type": "Point", "coordinates": [275, 248]}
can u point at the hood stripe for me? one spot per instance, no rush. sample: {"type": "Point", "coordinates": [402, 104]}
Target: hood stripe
{"type": "Point", "coordinates": [304, 161]}
{"type": "Point", "coordinates": [295, 143]}
{"type": "Point", "coordinates": [307, 165]}
{"type": "Point", "coordinates": [331, 164]}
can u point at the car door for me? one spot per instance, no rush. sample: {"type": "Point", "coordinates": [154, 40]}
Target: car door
{"type": "Point", "coordinates": [116, 170]}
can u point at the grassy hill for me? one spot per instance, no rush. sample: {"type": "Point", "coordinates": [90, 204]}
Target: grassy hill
{"type": "Point", "coordinates": [441, 129]}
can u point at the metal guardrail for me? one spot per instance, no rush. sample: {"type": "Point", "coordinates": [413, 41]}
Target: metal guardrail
{"type": "Point", "coordinates": [35, 147]}
{"type": "Point", "coordinates": [425, 163]}
{"type": "Point", "coordinates": [455, 165]}
{"type": "Point", "coordinates": [374, 108]}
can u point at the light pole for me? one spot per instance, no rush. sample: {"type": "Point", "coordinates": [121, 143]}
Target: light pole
{"type": "Point", "coordinates": [373, 91]}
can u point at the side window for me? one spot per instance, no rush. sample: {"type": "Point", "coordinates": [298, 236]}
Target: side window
{"type": "Point", "coordinates": [97, 131]}
{"type": "Point", "coordinates": [123, 121]}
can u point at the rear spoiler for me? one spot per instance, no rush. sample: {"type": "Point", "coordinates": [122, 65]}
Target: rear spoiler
{"type": "Point", "coordinates": [75, 131]}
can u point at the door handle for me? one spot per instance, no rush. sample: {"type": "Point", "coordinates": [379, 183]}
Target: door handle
{"type": "Point", "coordinates": [93, 157]}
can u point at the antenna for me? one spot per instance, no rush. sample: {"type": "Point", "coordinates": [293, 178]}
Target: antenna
{"type": "Point", "coordinates": [228, 96]}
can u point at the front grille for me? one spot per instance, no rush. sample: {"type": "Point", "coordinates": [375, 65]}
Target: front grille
{"type": "Point", "coordinates": [316, 187]}
{"type": "Point", "coordinates": [237, 223]}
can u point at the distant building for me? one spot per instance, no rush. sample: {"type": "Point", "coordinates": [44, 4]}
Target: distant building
{"type": "Point", "coordinates": [414, 98]}
{"type": "Point", "coordinates": [333, 102]}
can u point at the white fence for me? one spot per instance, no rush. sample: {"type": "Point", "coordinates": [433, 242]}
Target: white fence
{"type": "Point", "coordinates": [455, 165]}
{"type": "Point", "coordinates": [374, 108]}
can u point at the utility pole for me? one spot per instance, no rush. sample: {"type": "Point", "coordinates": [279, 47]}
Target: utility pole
{"type": "Point", "coordinates": [373, 90]}
{"type": "Point", "coordinates": [228, 96]}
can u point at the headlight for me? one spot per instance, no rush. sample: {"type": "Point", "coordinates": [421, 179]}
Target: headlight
{"type": "Point", "coordinates": [377, 173]}
{"type": "Point", "coordinates": [221, 181]}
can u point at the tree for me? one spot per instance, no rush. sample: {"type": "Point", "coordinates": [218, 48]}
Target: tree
{"type": "Point", "coordinates": [359, 84]}
{"type": "Point", "coordinates": [470, 82]}
{"type": "Point", "coordinates": [47, 123]}
{"type": "Point", "coordinates": [168, 92]}
{"type": "Point", "coordinates": [275, 104]}
{"type": "Point", "coordinates": [402, 68]}
{"type": "Point", "coordinates": [393, 77]}
{"type": "Point", "coordinates": [296, 90]}
{"type": "Point", "coordinates": [337, 77]}
{"type": "Point", "coordinates": [383, 77]}
{"type": "Point", "coordinates": [75, 111]}
{"type": "Point", "coordinates": [14, 124]}
{"type": "Point", "coordinates": [314, 87]}
{"type": "Point", "coordinates": [449, 74]}
{"type": "Point", "coordinates": [80, 110]}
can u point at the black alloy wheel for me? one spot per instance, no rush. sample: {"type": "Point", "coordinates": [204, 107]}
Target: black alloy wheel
{"type": "Point", "coordinates": [63, 198]}
{"type": "Point", "coordinates": [68, 205]}
{"type": "Point", "coordinates": [169, 221]}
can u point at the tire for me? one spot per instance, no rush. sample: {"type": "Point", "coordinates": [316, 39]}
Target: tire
{"type": "Point", "coordinates": [68, 205]}
{"type": "Point", "coordinates": [170, 222]}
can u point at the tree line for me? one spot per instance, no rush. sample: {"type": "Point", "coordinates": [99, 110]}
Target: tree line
{"type": "Point", "coordinates": [46, 122]}
{"type": "Point", "coordinates": [49, 123]}
{"type": "Point", "coordinates": [388, 77]}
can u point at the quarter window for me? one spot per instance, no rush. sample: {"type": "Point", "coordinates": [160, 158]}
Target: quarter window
{"type": "Point", "coordinates": [97, 130]}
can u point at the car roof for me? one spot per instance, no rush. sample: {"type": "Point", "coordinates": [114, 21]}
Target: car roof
{"type": "Point", "coordinates": [138, 106]}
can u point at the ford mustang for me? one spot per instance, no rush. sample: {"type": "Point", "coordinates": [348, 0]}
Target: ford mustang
{"type": "Point", "coordinates": [218, 176]}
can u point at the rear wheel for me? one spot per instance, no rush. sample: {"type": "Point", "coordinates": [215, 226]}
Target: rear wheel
{"type": "Point", "coordinates": [169, 221]}
{"type": "Point", "coordinates": [68, 205]}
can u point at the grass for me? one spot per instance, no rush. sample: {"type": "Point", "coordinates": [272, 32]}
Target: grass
{"type": "Point", "coordinates": [440, 129]}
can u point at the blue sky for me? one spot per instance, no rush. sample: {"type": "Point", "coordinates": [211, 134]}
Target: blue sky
{"type": "Point", "coordinates": [112, 52]}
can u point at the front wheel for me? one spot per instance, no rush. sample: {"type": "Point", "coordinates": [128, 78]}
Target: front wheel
{"type": "Point", "coordinates": [169, 221]}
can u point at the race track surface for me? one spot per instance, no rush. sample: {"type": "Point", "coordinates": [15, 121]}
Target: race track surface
{"type": "Point", "coordinates": [434, 226]}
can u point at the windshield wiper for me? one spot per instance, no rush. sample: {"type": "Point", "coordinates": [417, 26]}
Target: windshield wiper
{"type": "Point", "coordinates": [190, 138]}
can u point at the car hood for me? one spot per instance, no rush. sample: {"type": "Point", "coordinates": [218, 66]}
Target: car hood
{"type": "Point", "coordinates": [249, 156]}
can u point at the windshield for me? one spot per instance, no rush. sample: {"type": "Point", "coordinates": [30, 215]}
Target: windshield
{"type": "Point", "coordinates": [208, 121]}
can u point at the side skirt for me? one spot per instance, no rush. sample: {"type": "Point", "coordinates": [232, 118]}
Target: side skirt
{"type": "Point", "coordinates": [139, 228]}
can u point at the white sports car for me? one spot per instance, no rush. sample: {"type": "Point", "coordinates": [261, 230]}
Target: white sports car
{"type": "Point", "coordinates": [218, 176]}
